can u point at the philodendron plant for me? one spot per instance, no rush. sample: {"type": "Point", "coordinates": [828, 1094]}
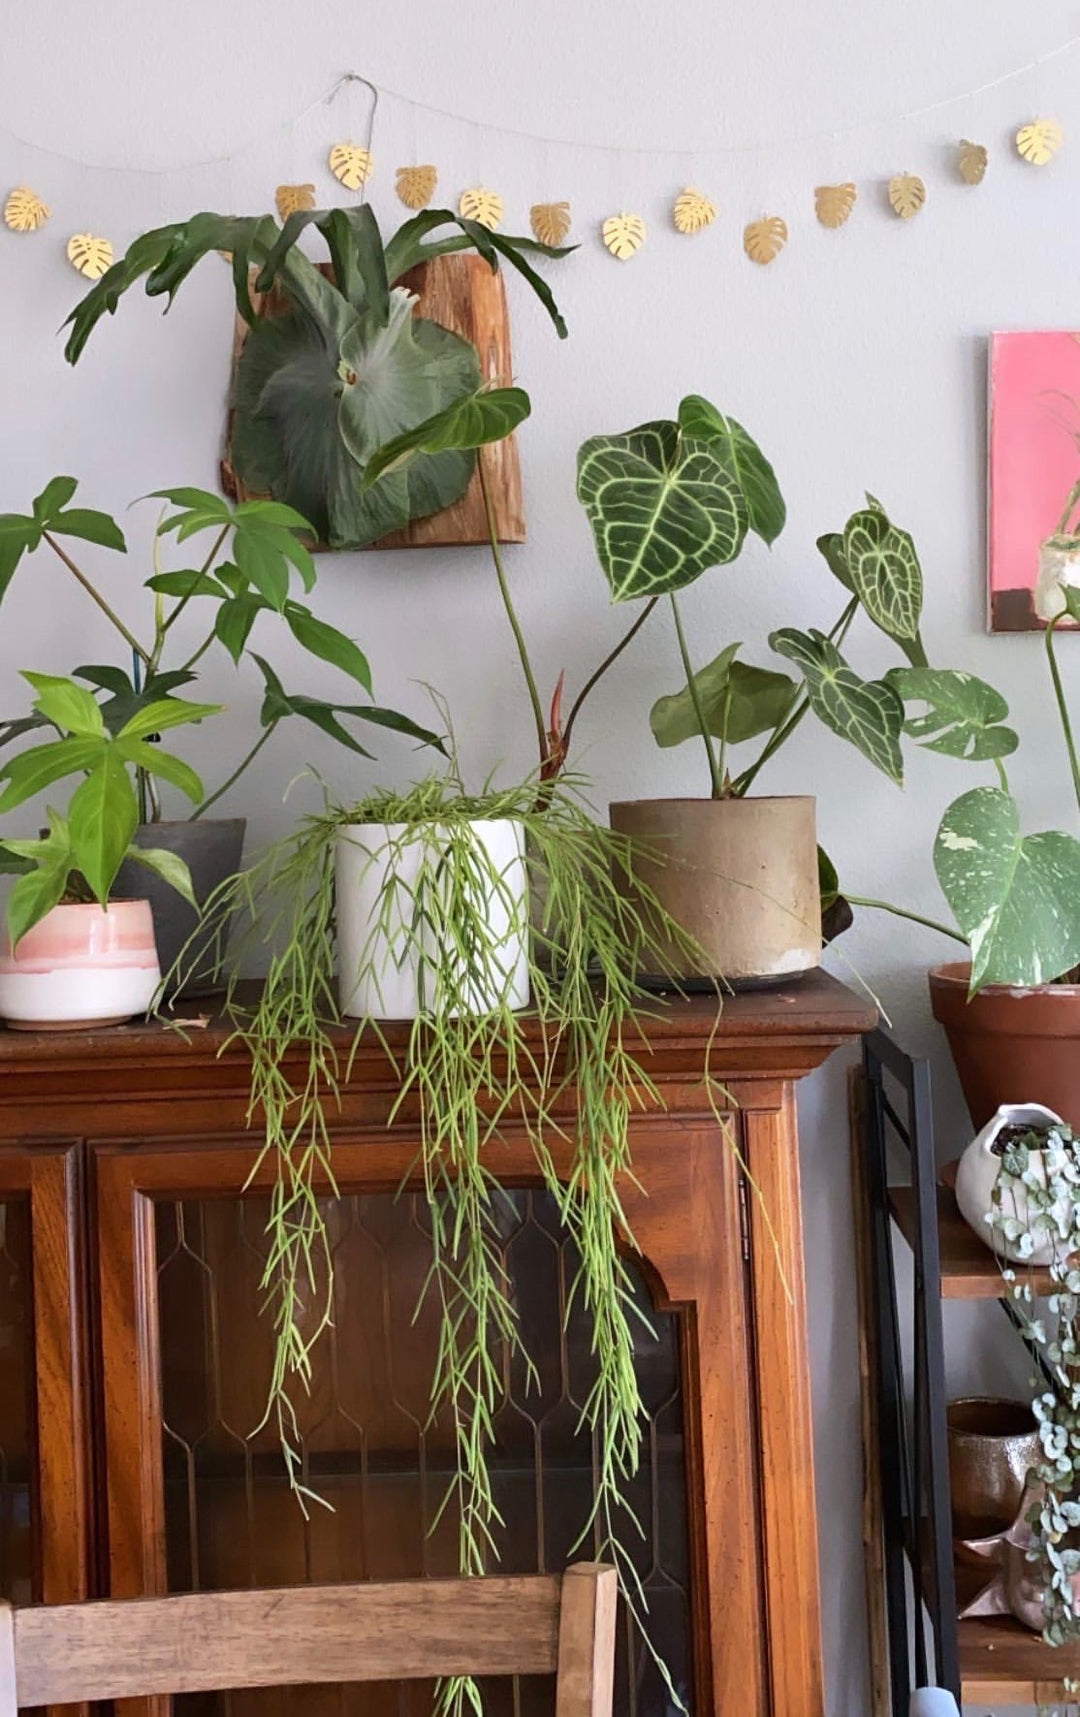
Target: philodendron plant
{"type": "Point", "coordinates": [348, 365]}
{"type": "Point", "coordinates": [80, 855]}
{"type": "Point", "coordinates": [245, 570]}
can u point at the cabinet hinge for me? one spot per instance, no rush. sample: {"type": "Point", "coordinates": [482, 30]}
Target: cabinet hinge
{"type": "Point", "coordinates": [744, 1220]}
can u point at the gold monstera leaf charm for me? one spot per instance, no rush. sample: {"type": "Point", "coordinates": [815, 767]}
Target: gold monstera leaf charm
{"type": "Point", "coordinates": [24, 211]}
{"type": "Point", "coordinates": [483, 206]}
{"type": "Point", "coordinates": [693, 211]}
{"type": "Point", "coordinates": [415, 186]}
{"type": "Point", "coordinates": [764, 240]}
{"type": "Point", "coordinates": [623, 235]}
{"type": "Point", "coordinates": [351, 165]}
{"type": "Point", "coordinates": [1039, 141]}
{"type": "Point", "coordinates": [834, 203]}
{"type": "Point", "coordinates": [907, 194]}
{"type": "Point", "coordinates": [290, 199]}
{"type": "Point", "coordinates": [550, 222]}
{"type": "Point", "coordinates": [90, 255]}
{"type": "Point", "coordinates": [971, 159]}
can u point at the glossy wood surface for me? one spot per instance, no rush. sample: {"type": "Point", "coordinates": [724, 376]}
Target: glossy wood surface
{"type": "Point", "coordinates": [163, 1117]}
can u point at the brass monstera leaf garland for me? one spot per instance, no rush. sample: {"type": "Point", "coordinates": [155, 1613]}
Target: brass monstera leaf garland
{"type": "Point", "coordinates": [623, 235]}
{"type": "Point", "coordinates": [693, 211]}
{"type": "Point", "coordinates": [351, 165]}
{"type": "Point", "coordinates": [834, 203]}
{"type": "Point", "coordinates": [25, 211]}
{"type": "Point", "coordinates": [288, 199]}
{"type": "Point", "coordinates": [764, 240]}
{"type": "Point", "coordinates": [1039, 141]}
{"type": "Point", "coordinates": [550, 222]}
{"type": "Point", "coordinates": [907, 194]}
{"type": "Point", "coordinates": [483, 206]}
{"type": "Point", "coordinates": [415, 186]}
{"type": "Point", "coordinates": [971, 159]}
{"type": "Point", "coordinates": [89, 255]}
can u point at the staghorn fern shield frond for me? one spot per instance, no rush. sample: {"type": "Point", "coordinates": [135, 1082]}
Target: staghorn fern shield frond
{"type": "Point", "coordinates": [345, 369]}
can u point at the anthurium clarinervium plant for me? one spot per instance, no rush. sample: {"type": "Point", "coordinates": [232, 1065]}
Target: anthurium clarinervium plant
{"type": "Point", "coordinates": [249, 556]}
{"type": "Point", "coordinates": [346, 366]}
{"type": "Point", "coordinates": [79, 857]}
{"type": "Point", "coordinates": [672, 498]}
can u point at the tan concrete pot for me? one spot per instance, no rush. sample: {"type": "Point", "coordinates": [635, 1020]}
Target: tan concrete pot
{"type": "Point", "coordinates": [741, 878]}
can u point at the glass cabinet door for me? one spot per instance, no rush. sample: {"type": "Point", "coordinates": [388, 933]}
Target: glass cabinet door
{"type": "Point", "coordinates": [370, 1452]}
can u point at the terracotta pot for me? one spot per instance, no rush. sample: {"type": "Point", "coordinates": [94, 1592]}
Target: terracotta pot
{"type": "Point", "coordinates": [372, 929]}
{"type": "Point", "coordinates": [740, 876]}
{"type": "Point", "coordinates": [993, 1444]}
{"type": "Point", "coordinates": [1011, 1045]}
{"type": "Point", "coordinates": [81, 966]}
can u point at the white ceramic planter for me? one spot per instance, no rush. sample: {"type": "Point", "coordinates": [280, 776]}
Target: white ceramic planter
{"type": "Point", "coordinates": [977, 1176]}
{"type": "Point", "coordinates": [81, 966]}
{"type": "Point", "coordinates": [373, 929]}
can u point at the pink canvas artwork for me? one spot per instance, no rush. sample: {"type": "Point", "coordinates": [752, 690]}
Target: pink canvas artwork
{"type": "Point", "coordinates": [1034, 531]}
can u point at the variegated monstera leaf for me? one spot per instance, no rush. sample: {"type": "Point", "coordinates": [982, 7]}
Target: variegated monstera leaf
{"type": "Point", "coordinates": [663, 508]}
{"type": "Point", "coordinates": [1015, 897]}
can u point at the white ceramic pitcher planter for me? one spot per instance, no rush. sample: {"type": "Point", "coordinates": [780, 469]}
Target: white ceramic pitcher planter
{"type": "Point", "coordinates": [977, 1176]}
{"type": "Point", "coordinates": [382, 973]}
{"type": "Point", "coordinates": [81, 966]}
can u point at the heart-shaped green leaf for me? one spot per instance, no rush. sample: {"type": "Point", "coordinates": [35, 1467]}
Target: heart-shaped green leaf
{"type": "Point", "coordinates": [866, 712]}
{"type": "Point", "coordinates": [1015, 897]}
{"type": "Point", "coordinates": [473, 421]}
{"type": "Point", "coordinates": [663, 508]}
{"type": "Point", "coordinates": [884, 571]}
{"type": "Point", "coordinates": [965, 715]}
{"type": "Point", "coordinates": [738, 701]}
{"type": "Point", "coordinates": [831, 549]}
{"type": "Point", "coordinates": [700, 421]}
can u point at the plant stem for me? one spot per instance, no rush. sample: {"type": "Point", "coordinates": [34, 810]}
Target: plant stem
{"type": "Point", "coordinates": [722, 760]}
{"type": "Point", "coordinates": [1074, 496]}
{"type": "Point", "coordinates": [1002, 777]}
{"type": "Point", "coordinates": [902, 912]}
{"type": "Point", "coordinates": [612, 656]}
{"type": "Point", "coordinates": [1063, 707]}
{"type": "Point", "coordinates": [695, 699]}
{"type": "Point", "coordinates": [184, 600]}
{"type": "Point", "coordinates": [236, 774]}
{"type": "Point", "coordinates": [511, 615]}
{"type": "Point", "coordinates": [95, 596]}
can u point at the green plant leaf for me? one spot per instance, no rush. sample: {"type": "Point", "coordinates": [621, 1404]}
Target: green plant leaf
{"type": "Point", "coordinates": [356, 255]}
{"type": "Point", "coordinates": [1015, 897]}
{"type": "Point", "coordinates": [69, 706]}
{"type": "Point", "coordinates": [277, 704]}
{"type": "Point", "coordinates": [828, 880]}
{"type": "Point", "coordinates": [169, 866]}
{"type": "Point", "coordinates": [473, 421]}
{"type": "Point", "coordinates": [734, 696]}
{"type": "Point", "coordinates": [32, 771]}
{"type": "Point", "coordinates": [868, 713]}
{"type": "Point", "coordinates": [263, 568]}
{"type": "Point", "coordinates": [89, 526]}
{"type": "Point", "coordinates": [1070, 594]}
{"type": "Point", "coordinates": [33, 896]}
{"type": "Point", "coordinates": [106, 678]}
{"type": "Point", "coordinates": [161, 763]}
{"type": "Point", "coordinates": [234, 620]}
{"type": "Point", "coordinates": [964, 716]}
{"type": "Point", "coordinates": [102, 817]}
{"type": "Point", "coordinates": [885, 572]}
{"type": "Point", "coordinates": [700, 421]}
{"type": "Point", "coordinates": [831, 548]}
{"type": "Point", "coordinates": [187, 585]}
{"type": "Point", "coordinates": [104, 296]}
{"type": "Point", "coordinates": [662, 509]}
{"type": "Point", "coordinates": [164, 713]}
{"type": "Point", "coordinates": [18, 535]}
{"type": "Point", "coordinates": [53, 498]}
{"type": "Point", "coordinates": [330, 645]}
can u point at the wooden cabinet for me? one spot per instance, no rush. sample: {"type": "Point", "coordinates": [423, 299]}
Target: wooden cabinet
{"type": "Point", "coordinates": [131, 1335]}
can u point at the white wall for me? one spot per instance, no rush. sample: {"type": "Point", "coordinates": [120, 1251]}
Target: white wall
{"type": "Point", "coordinates": [858, 360]}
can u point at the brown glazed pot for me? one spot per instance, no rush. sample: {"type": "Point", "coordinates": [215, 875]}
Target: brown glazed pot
{"type": "Point", "coordinates": [1011, 1045]}
{"type": "Point", "coordinates": [993, 1444]}
{"type": "Point", "coordinates": [739, 875]}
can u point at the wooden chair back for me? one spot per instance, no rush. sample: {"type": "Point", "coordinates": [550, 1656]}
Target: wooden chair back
{"type": "Point", "coordinates": [59, 1654]}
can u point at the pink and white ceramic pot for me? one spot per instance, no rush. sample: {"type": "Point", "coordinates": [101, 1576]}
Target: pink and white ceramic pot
{"type": "Point", "coordinates": [81, 966]}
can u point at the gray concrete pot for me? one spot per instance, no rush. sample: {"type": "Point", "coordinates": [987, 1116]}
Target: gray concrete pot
{"type": "Point", "coordinates": [212, 852]}
{"type": "Point", "coordinates": [741, 878]}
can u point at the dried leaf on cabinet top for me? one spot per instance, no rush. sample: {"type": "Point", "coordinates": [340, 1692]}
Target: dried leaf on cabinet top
{"type": "Point", "coordinates": [550, 222]}
{"type": "Point", "coordinates": [764, 240]}
{"type": "Point", "coordinates": [481, 205]}
{"type": "Point", "coordinates": [290, 198]}
{"type": "Point", "coordinates": [351, 165]}
{"type": "Point", "coordinates": [1039, 141]}
{"type": "Point", "coordinates": [834, 203]}
{"type": "Point", "coordinates": [693, 211]}
{"type": "Point", "coordinates": [415, 186]}
{"type": "Point", "coordinates": [907, 194]}
{"type": "Point", "coordinates": [623, 235]}
{"type": "Point", "coordinates": [90, 255]}
{"type": "Point", "coordinates": [24, 211]}
{"type": "Point", "coordinates": [971, 159]}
